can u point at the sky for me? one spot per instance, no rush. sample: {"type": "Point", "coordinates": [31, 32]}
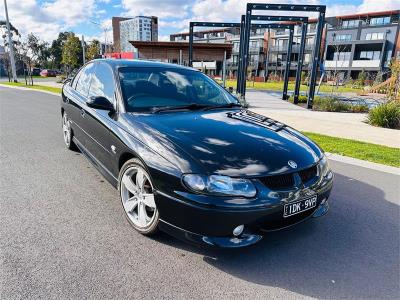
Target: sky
{"type": "Point", "coordinates": [46, 18]}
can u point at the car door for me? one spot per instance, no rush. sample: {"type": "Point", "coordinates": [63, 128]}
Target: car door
{"type": "Point", "coordinates": [97, 122]}
{"type": "Point", "coordinates": [75, 97]}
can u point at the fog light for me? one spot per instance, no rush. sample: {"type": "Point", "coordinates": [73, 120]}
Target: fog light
{"type": "Point", "coordinates": [329, 176]}
{"type": "Point", "coordinates": [238, 230]}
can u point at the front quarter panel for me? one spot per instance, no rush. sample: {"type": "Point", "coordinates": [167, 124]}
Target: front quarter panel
{"type": "Point", "coordinates": [165, 163]}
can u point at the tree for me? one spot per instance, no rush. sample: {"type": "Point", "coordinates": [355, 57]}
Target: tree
{"type": "Point", "coordinates": [15, 43]}
{"type": "Point", "coordinates": [39, 50]}
{"type": "Point", "coordinates": [12, 28]}
{"type": "Point", "coordinates": [394, 87]}
{"type": "Point", "coordinates": [71, 51]}
{"type": "Point", "coordinates": [56, 49]}
{"type": "Point", "coordinates": [362, 77]}
{"type": "Point", "coordinates": [93, 51]}
{"type": "Point", "coordinates": [335, 74]}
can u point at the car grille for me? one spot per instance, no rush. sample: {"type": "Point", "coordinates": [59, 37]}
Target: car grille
{"type": "Point", "coordinates": [279, 181]}
{"type": "Point", "coordinates": [308, 174]}
{"type": "Point", "coordinates": [286, 181]}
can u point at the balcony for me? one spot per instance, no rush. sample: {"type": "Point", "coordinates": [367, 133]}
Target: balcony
{"type": "Point", "coordinates": [209, 65]}
{"type": "Point", "coordinates": [366, 63]}
{"type": "Point", "coordinates": [295, 48]}
{"type": "Point", "coordinates": [332, 64]}
{"type": "Point", "coordinates": [256, 49]}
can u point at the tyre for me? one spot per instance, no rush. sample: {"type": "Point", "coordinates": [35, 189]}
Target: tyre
{"type": "Point", "coordinates": [137, 198]}
{"type": "Point", "coordinates": [67, 132]}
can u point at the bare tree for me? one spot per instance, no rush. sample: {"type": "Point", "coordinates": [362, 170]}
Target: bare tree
{"type": "Point", "coordinates": [339, 48]}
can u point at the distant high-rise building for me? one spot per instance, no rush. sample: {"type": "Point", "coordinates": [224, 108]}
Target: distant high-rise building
{"type": "Point", "coordinates": [116, 32]}
{"type": "Point", "coordinates": [139, 28]}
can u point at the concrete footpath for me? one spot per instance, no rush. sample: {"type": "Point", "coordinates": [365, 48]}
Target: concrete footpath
{"type": "Point", "coordinates": [344, 125]}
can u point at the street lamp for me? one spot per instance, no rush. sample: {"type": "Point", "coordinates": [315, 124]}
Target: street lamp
{"type": "Point", "coordinates": [10, 45]}
{"type": "Point", "coordinates": [105, 37]}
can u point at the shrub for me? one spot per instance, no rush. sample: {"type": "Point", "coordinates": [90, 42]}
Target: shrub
{"type": "Point", "coordinates": [302, 99]}
{"type": "Point", "coordinates": [385, 115]}
{"type": "Point", "coordinates": [330, 104]}
{"type": "Point", "coordinates": [359, 108]}
{"type": "Point", "coordinates": [336, 105]}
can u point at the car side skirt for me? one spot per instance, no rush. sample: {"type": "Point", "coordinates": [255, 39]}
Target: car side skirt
{"type": "Point", "coordinates": [97, 164]}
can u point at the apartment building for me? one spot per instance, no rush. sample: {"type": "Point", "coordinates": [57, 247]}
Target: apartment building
{"type": "Point", "coordinates": [140, 28]}
{"type": "Point", "coordinates": [350, 44]}
{"type": "Point", "coordinates": [277, 50]}
{"type": "Point", "coordinates": [116, 32]}
{"type": "Point", "coordinates": [361, 42]}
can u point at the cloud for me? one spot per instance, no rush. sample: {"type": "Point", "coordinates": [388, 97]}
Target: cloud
{"type": "Point", "coordinates": [162, 9]}
{"type": "Point", "coordinates": [163, 38]}
{"type": "Point", "coordinates": [47, 19]}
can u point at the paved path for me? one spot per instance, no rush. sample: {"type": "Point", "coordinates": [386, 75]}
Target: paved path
{"type": "Point", "coordinates": [64, 234]}
{"type": "Point", "coordinates": [346, 125]}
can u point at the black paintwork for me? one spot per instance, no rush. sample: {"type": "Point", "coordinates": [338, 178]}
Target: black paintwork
{"type": "Point", "coordinates": [218, 141]}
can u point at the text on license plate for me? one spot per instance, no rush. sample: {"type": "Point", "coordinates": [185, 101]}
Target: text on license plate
{"type": "Point", "coordinates": [299, 206]}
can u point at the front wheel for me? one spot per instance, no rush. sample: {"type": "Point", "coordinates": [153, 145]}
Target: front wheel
{"type": "Point", "coordinates": [67, 132]}
{"type": "Point", "coordinates": [136, 193]}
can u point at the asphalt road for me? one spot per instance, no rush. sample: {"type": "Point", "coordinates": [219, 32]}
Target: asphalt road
{"type": "Point", "coordinates": [63, 234]}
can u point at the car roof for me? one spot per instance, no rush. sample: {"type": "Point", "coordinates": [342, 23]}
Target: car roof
{"type": "Point", "coordinates": [117, 63]}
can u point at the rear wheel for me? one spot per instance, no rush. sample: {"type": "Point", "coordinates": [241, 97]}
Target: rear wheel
{"type": "Point", "coordinates": [67, 132]}
{"type": "Point", "coordinates": [137, 198]}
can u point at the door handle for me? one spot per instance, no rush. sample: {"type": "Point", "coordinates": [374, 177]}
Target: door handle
{"type": "Point", "coordinates": [83, 113]}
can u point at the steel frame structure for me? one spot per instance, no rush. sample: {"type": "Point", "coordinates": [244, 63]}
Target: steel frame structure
{"type": "Point", "coordinates": [304, 21]}
{"type": "Point", "coordinates": [243, 61]}
{"type": "Point", "coordinates": [320, 9]}
{"type": "Point", "coordinates": [239, 88]}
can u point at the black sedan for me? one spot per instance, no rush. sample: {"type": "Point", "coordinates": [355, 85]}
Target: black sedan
{"type": "Point", "coordinates": [186, 158]}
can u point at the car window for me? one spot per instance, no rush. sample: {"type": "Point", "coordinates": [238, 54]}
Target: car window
{"type": "Point", "coordinates": [102, 82]}
{"type": "Point", "coordinates": [76, 77]}
{"type": "Point", "coordinates": [83, 83]}
{"type": "Point", "coordinates": [148, 87]}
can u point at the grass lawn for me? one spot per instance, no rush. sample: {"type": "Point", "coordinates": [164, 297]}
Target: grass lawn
{"type": "Point", "coordinates": [34, 87]}
{"type": "Point", "coordinates": [278, 86]}
{"type": "Point", "coordinates": [361, 150]}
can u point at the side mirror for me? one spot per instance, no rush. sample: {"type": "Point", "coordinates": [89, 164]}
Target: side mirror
{"type": "Point", "coordinates": [100, 102]}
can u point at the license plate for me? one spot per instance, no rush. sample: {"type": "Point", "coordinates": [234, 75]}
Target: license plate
{"type": "Point", "coordinates": [299, 206]}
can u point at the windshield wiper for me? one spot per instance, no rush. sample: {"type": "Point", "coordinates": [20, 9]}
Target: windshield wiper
{"type": "Point", "coordinates": [191, 106]}
{"type": "Point", "coordinates": [227, 105]}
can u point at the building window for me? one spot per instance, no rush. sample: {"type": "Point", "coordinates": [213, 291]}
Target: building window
{"type": "Point", "coordinates": [370, 55]}
{"type": "Point", "coordinates": [341, 56]}
{"type": "Point", "coordinates": [342, 37]}
{"type": "Point", "coordinates": [253, 44]}
{"type": "Point", "coordinates": [374, 36]}
{"type": "Point", "coordinates": [379, 21]}
{"type": "Point", "coordinates": [350, 23]}
{"type": "Point", "coordinates": [312, 27]}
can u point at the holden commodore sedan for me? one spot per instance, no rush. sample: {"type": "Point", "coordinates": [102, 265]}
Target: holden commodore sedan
{"type": "Point", "coordinates": [187, 158]}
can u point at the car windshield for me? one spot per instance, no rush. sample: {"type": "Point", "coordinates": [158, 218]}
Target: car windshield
{"type": "Point", "coordinates": [148, 88]}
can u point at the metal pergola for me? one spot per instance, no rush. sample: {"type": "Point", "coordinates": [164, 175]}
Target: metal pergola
{"type": "Point", "coordinates": [243, 60]}
{"type": "Point", "coordinates": [320, 9]}
{"type": "Point", "coordinates": [304, 21]}
{"type": "Point", "coordinates": [239, 87]}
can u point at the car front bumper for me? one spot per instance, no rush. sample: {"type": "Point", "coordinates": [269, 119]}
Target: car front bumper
{"type": "Point", "coordinates": [213, 225]}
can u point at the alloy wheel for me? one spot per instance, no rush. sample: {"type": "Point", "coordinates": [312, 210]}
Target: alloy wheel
{"type": "Point", "coordinates": [66, 130]}
{"type": "Point", "coordinates": [137, 197]}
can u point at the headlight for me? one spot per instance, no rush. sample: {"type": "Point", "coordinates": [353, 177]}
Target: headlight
{"type": "Point", "coordinates": [219, 185]}
{"type": "Point", "coordinates": [324, 167]}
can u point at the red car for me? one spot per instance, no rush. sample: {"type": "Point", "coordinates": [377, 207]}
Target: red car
{"type": "Point", "coordinates": [48, 73]}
